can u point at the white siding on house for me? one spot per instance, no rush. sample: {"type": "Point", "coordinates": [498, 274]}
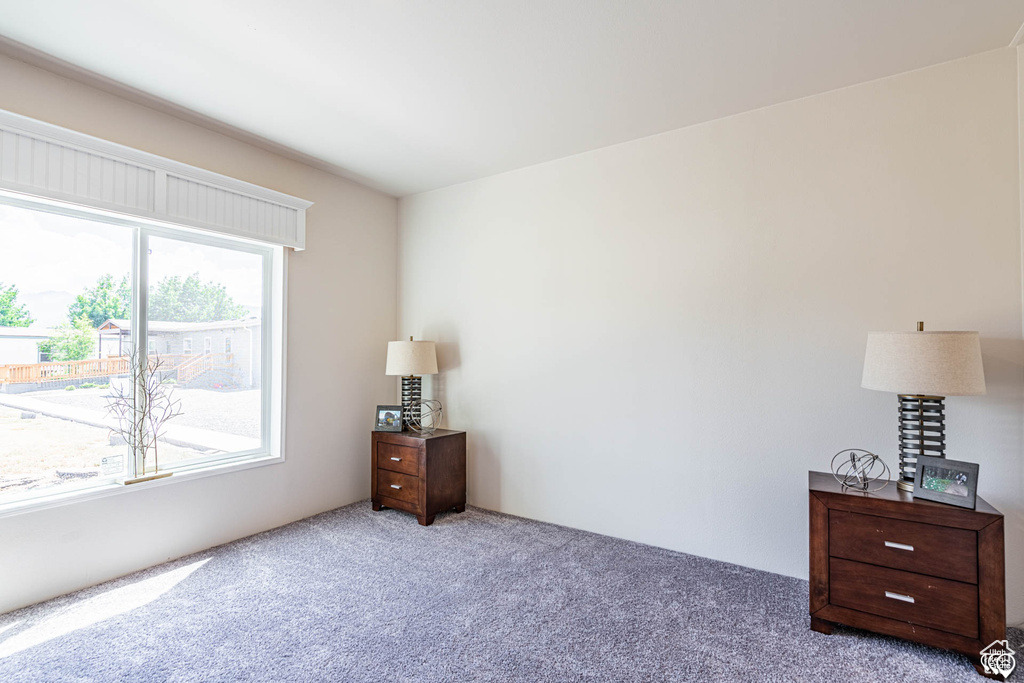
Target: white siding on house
{"type": "Point", "coordinates": [20, 345]}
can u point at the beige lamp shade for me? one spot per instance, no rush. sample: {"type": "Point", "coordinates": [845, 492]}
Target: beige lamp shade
{"type": "Point", "coordinates": [411, 358]}
{"type": "Point", "coordinates": [924, 363]}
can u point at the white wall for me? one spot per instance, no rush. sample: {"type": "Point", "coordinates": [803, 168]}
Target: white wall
{"type": "Point", "coordinates": [658, 339]}
{"type": "Point", "coordinates": [336, 335]}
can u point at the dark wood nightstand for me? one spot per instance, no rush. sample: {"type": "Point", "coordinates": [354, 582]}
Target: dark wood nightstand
{"type": "Point", "coordinates": [417, 473]}
{"type": "Point", "coordinates": [914, 569]}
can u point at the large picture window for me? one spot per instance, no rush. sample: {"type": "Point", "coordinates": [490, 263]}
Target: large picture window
{"type": "Point", "coordinates": [83, 295]}
{"type": "Point", "coordinates": [130, 281]}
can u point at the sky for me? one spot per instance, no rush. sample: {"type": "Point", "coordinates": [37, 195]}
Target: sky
{"type": "Point", "coordinates": [52, 258]}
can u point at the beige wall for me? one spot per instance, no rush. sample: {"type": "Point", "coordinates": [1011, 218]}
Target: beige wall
{"type": "Point", "coordinates": [341, 311]}
{"type": "Point", "coordinates": [657, 340]}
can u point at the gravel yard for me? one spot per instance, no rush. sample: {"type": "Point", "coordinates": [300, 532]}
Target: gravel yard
{"type": "Point", "coordinates": [230, 412]}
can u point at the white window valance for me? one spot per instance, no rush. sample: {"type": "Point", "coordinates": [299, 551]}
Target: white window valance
{"type": "Point", "coordinates": [48, 161]}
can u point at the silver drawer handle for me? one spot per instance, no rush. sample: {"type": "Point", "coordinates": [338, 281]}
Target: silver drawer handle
{"type": "Point", "coordinates": [400, 460]}
{"type": "Point", "coordinates": [899, 546]}
{"type": "Point", "coordinates": [898, 596]}
{"type": "Point", "coordinates": [395, 486]}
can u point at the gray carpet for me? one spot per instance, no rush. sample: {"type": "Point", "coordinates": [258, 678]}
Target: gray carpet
{"type": "Point", "coordinates": [353, 595]}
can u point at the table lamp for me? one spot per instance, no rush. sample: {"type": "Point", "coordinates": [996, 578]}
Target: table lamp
{"type": "Point", "coordinates": [410, 359]}
{"type": "Point", "coordinates": [922, 368]}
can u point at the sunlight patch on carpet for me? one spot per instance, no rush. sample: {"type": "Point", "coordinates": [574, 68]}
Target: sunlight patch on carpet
{"type": "Point", "coordinates": [9, 626]}
{"type": "Point", "coordinates": [96, 609]}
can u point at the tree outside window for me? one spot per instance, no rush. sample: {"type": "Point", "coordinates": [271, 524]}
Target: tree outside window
{"type": "Point", "coordinates": [71, 342]}
{"type": "Point", "coordinates": [12, 313]}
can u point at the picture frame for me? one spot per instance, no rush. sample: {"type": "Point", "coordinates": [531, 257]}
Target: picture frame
{"type": "Point", "coordinates": [946, 481]}
{"type": "Point", "coordinates": [388, 419]}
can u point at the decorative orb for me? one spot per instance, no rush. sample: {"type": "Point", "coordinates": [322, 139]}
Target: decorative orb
{"type": "Point", "coordinates": [861, 470]}
{"type": "Point", "coordinates": [425, 415]}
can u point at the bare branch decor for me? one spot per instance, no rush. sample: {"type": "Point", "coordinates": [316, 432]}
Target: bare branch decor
{"type": "Point", "coordinates": [141, 409]}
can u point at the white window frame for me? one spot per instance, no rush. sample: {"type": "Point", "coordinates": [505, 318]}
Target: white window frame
{"type": "Point", "coordinates": [273, 340]}
{"type": "Point", "coordinates": [227, 343]}
{"type": "Point", "coordinates": [186, 346]}
{"type": "Point", "coordinates": [207, 346]}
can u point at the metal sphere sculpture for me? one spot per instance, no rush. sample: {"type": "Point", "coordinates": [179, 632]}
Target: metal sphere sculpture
{"type": "Point", "coordinates": [425, 415]}
{"type": "Point", "coordinates": [860, 470]}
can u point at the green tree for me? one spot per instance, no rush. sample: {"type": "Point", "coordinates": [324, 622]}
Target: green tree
{"type": "Point", "coordinates": [12, 314]}
{"type": "Point", "coordinates": [175, 299]}
{"type": "Point", "coordinates": [108, 299]}
{"type": "Point", "coordinates": [71, 342]}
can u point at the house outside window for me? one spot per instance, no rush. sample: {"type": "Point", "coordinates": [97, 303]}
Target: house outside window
{"type": "Point", "coordinates": [186, 346]}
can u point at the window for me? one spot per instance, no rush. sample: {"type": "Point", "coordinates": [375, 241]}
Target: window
{"type": "Point", "coordinates": [50, 408]}
{"type": "Point", "coordinates": [80, 300]}
{"type": "Point", "coordinates": [108, 251]}
{"type": "Point", "coordinates": [224, 288]}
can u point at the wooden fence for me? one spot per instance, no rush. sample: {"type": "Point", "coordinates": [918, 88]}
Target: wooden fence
{"type": "Point", "coordinates": [63, 371]}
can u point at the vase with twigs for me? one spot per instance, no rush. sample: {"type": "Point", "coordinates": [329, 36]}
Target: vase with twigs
{"type": "Point", "coordinates": [141, 409]}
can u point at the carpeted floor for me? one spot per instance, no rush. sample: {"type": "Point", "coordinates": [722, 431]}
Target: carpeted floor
{"type": "Point", "coordinates": [353, 595]}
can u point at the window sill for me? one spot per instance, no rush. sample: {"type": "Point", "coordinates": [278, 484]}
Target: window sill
{"type": "Point", "coordinates": [60, 499]}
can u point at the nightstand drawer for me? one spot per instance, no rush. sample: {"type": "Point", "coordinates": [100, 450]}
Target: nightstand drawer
{"type": "Point", "coordinates": [398, 458]}
{"type": "Point", "coordinates": [923, 600]}
{"type": "Point", "coordinates": [912, 546]}
{"type": "Point", "coordinates": [397, 485]}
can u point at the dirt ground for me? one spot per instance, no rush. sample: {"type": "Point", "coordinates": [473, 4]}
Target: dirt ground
{"type": "Point", "coordinates": [34, 452]}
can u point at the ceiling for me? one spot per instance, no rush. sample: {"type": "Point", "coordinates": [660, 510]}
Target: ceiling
{"type": "Point", "coordinates": [413, 95]}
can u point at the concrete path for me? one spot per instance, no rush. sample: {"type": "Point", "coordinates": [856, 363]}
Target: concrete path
{"type": "Point", "coordinates": [190, 437]}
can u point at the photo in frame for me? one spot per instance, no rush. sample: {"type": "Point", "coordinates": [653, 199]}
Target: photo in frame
{"type": "Point", "coordinates": [388, 419]}
{"type": "Point", "coordinates": [946, 481]}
